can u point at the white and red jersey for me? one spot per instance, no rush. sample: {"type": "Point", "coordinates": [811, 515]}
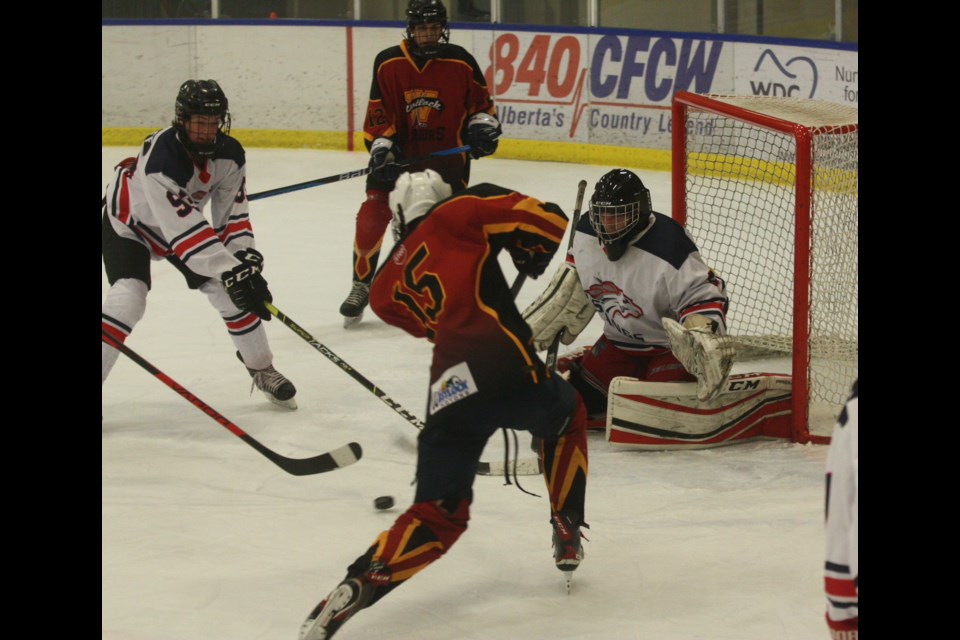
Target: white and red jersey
{"type": "Point", "coordinates": [842, 567]}
{"type": "Point", "coordinates": [159, 201]}
{"type": "Point", "coordinates": [661, 275]}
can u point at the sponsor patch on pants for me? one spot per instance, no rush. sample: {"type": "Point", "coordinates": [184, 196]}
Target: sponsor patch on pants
{"type": "Point", "coordinates": [454, 385]}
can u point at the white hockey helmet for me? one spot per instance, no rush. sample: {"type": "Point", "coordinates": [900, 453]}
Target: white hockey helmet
{"type": "Point", "coordinates": [411, 198]}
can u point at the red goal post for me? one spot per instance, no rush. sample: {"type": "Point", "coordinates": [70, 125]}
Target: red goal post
{"type": "Point", "coordinates": [768, 188]}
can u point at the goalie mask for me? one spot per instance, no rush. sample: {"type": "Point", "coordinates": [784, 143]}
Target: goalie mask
{"type": "Point", "coordinates": [412, 197]}
{"type": "Point", "coordinates": [427, 30]}
{"type": "Point", "coordinates": [202, 136]}
{"type": "Point", "coordinates": [619, 210]}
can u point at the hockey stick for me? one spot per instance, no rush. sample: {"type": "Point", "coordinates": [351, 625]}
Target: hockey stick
{"type": "Point", "coordinates": [517, 285]}
{"type": "Point", "coordinates": [482, 467]}
{"type": "Point", "coordinates": [340, 362]}
{"type": "Point", "coordinates": [350, 174]}
{"type": "Point", "coordinates": [335, 459]}
{"type": "Point", "coordinates": [554, 348]}
{"type": "Point", "coordinates": [522, 277]}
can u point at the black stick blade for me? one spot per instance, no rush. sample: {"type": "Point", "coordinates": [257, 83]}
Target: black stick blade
{"type": "Point", "coordinates": [335, 459]}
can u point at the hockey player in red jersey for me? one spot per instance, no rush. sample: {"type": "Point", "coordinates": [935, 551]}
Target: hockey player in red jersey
{"type": "Point", "coordinates": [153, 209]}
{"type": "Point", "coordinates": [842, 567]}
{"type": "Point", "coordinates": [427, 95]}
{"type": "Point", "coordinates": [442, 282]}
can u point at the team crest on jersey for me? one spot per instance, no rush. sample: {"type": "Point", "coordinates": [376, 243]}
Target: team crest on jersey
{"type": "Point", "coordinates": [612, 302]}
{"type": "Point", "coordinates": [455, 384]}
{"type": "Point", "coordinates": [198, 195]}
{"type": "Point", "coordinates": [420, 102]}
{"type": "Point", "coordinates": [400, 255]}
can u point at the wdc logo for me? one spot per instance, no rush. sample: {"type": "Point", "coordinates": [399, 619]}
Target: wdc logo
{"type": "Point", "coordinates": [797, 78]}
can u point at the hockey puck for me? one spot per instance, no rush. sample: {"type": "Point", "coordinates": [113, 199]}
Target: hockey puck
{"type": "Point", "coordinates": [383, 503]}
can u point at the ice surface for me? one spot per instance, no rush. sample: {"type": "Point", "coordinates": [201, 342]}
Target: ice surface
{"type": "Point", "coordinates": [204, 539]}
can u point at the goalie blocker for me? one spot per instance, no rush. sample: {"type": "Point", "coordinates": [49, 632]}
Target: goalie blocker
{"type": "Point", "coordinates": [668, 415]}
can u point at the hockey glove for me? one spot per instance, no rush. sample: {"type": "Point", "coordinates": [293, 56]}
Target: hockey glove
{"type": "Point", "coordinates": [563, 306]}
{"type": "Point", "coordinates": [483, 132]}
{"type": "Point", "coordinates": [250, 257]}
{"type": "Point", "coordinates": [530, 263]}
{"type": "Point", "coordinates": [383, 160]}
{"type": "Point", "coordinates": [247, 289]}
{"type": "Point", "coordinates": [707, 356]}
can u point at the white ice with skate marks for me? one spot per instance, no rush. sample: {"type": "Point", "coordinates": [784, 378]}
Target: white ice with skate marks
{"type": "Point", "coordinates": [203, 538]}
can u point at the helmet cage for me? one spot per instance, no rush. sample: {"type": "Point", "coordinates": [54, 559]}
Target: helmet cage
{"type": "Point", "coordinates": [619, 220]}
{"type": "Point", "coordinates": [201, 97]}
{"type": "Point", "coordinates": [422, 12]}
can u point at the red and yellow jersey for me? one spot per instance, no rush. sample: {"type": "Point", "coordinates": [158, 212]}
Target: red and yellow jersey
{"type": "Point", "coordinates": [424, 105]}
{"type": "Point", "coordinates": [443, 282]}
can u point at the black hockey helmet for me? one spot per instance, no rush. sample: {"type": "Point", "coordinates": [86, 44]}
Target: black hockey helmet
{"type": "Point", "coordinates": [420, 12]}
{"type": "Point", "coordinates": [620, 194]}
{"type": "Point", "coordinates": [201, 97]}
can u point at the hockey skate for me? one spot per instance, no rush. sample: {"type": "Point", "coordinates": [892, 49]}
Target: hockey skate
{"type": "Point", "coordinates": [274, 385]}
{"type": "Point", "coordinates": [567, 545]}
{"type": "Point", "coordinates": [350, 596]}
{"type": "Point", "coordinates": [352, 308]}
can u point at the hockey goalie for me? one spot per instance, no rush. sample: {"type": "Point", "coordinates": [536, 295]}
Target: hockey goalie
{"type": "Point", "coordinates": [659, 375]}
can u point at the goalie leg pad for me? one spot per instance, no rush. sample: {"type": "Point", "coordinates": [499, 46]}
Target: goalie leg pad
{"type": "Point", "coordinates": [667, 415]}
{"type": "Point", "coordinates": [604, 362]}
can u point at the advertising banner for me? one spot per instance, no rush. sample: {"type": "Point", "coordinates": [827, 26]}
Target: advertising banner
{"type": "Point", "coordinates": [797, 72]}
{"type": "Point", "coordinates": [616, 89]}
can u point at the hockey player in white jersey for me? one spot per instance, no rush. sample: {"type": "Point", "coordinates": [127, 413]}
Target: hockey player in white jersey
{"type": "Point", "coordinates": [842, 566]}
{"type": "Point", "coordinates": [153, 209]}
{"type": "Point", "coordinates": [643, 275]}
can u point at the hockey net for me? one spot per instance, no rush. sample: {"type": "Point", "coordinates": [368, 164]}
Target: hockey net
{"type": "Point", "coordinates": [768, 188]}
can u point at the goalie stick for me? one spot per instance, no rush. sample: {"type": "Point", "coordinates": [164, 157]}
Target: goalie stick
{"type": "Point", "coordinates": [335, 459]}
{"type": "Point", "coordinates": [482, 468]}
{"type": "Point", "coordinates": [551, 359]}
{"type": "Point", "coordinates": [349, 174]}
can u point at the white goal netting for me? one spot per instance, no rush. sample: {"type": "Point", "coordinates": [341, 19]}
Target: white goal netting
{"type": "Point", "coordinates": [760, 174]}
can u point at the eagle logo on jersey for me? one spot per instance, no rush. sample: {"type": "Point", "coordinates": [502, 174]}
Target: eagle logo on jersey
{"type": "Point", "coordinates": [610, 301]}
{"type": "Point", "coordinates": [420, 102]}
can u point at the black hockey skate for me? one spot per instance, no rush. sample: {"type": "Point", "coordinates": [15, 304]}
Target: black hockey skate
{"type": "Point", "coordinates": [350, 596]}
{"type": "Point", "coordinates": [352, 308]}
{"type": "Point", "coordinates": [274, 385]}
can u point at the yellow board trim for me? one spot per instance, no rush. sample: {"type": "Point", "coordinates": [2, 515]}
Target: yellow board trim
{"type": "Point", "coordinates": [652, 159]}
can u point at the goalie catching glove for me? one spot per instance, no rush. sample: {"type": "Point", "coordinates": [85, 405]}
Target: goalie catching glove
{"type": "Point", "coordinates": [563, 306]}
{"type": "Point", "coordinates": [701, 352]}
